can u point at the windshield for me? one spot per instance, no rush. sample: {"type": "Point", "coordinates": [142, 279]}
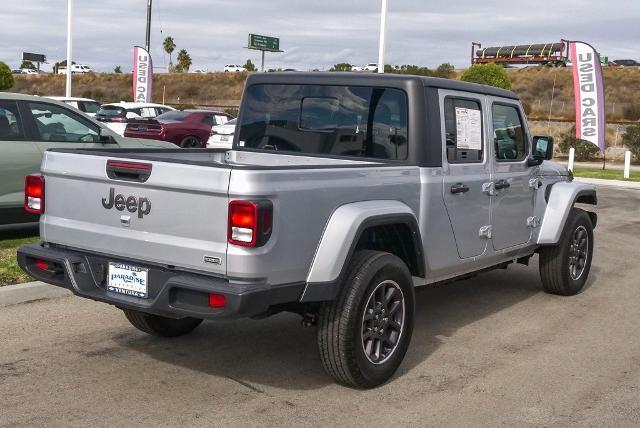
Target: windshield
{"type": "Point", "coordinates": [351, 121]}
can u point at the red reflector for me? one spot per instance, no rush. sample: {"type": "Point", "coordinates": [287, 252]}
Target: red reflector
{"type": "Point", "coordinates": [217, 300]}
{"type": "Point", "coordinates": [129, 165]}
{"type": "Point", "coordinates": [42, 264]}
{"type": "Point", "coordinates": [34, 194]}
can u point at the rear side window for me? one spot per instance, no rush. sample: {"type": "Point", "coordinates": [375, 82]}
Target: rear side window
{"type": "Point", "coordinates": [176, 115]}
{"type": "Point", "coordinates": [111, 111]}
{"type": "Point", "coordinates": [508, 131]}
{"type": "Point", "coordinates": [463, 128]}
{"type": "Point", "coordinates": [10, 123]}
{"type": "Point", "coordinates": [350, 121]}
{"type": "Point", "coordinates": [89, 107]}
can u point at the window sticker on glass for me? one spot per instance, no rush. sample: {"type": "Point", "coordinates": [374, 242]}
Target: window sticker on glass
{"type": "Point", "coordinates": [468, 129]}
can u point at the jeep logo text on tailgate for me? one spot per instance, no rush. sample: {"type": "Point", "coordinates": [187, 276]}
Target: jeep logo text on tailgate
{"type": "Point", "coordinates": [131, 203]}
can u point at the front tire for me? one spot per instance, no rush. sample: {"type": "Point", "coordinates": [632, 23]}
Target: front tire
{"type": "Point", "coordinates": [364, 334]}
{"type": "Point", "coordinates": [156, 325]}
{"type": "Point", "coordinates": [564, 267]}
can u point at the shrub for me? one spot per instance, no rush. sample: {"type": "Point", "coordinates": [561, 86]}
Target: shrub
{"type": "Point", "coordinates": [444, 70]}
{"type": "Point", "coordinates": [584, 150]}
{"type": "Point", "coordinates": [487, 74]}
{"type": "Point", "coordinates": [631, 140]}
{"type": "Point", "coordinates": [6, 78]}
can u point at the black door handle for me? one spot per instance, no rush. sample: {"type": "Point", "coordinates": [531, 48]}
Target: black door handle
{"type": "Point", "coordinates": [459, 188]}
{"type": "Point", "coordinates": [502, 184]}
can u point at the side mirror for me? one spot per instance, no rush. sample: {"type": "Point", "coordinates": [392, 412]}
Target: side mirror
{"type": "Point", "coordinates": [542, 148]}
{"type": "Point", "coordinates": [106, 138]}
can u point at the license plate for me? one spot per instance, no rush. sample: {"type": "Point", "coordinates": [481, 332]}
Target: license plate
{"type": "Point", "coordinates": [224, 138]}
{"type": "Point", "coordinates": [142, 128]}
{"type": "Point", "coordinates": [128, 279]}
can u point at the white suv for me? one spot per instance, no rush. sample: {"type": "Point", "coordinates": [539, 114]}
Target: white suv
{"type": "Point", "coordinates": [75, 68]}
{"type": "Point", "coordinates": [234, 68]}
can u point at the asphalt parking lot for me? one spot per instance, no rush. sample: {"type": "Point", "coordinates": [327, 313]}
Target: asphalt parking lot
{"type": "Point", "coordinates": [486, 351]}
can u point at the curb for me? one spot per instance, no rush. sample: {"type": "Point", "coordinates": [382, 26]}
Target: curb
{"type": "Point", "coordinates": [635, 185]}
{"type": "Point", "coordinates": [30, 292]}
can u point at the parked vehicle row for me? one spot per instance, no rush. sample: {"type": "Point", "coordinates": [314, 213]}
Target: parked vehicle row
{"type": "Point", "coordinates": [117, 115]}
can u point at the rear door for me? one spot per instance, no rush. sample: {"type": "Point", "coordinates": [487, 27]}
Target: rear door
{"type": "Point", "coordinates": [18, 157]}
{"type": "Point", "coordinates": [466, 170]}
{"type": "Point", "coordinates": [513, 200]}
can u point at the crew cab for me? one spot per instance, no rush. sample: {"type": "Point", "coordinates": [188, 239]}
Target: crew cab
{"type": "Point", "coordinates": [342, 192]}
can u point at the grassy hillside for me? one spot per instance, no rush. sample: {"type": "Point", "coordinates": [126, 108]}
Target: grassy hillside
{"type": "Point", "coordinates": [534, 85]}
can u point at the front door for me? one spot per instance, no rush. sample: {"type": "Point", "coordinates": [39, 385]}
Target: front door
{"type": "Point", "coordinates": [513, 200]}
{"type": "Point", "coordinates": [465, 170]}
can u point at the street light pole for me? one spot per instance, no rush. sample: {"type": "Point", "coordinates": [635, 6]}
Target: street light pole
{"type": "Point", "coordinates": [148, 35]}
{"type": "Point", "coordinates": [383, 31]}
{"type": "Point", "coordinates": [69, 68]}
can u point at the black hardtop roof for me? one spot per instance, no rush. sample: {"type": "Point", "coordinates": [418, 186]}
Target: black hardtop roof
{"type": "Point", "coordinates": [376, 79]}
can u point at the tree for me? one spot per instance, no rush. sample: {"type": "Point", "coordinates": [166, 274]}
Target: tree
{"type": "Point", "coordinates": [169, 46]}
{"type": "Point", "coordinates": [487, 74]}
{"type": "Point", "coordinates": [343, 66]}
{"type": "Point", "coordinates": [27, 64]}
{"type": "Point", "coordinates": [631, 139]}
{"type": "Point", "coordinates": [445, 70]}
{"type": "Point", "coordinates": [184, 60]}
{"type": "Point", "coordinates": [585, 150]}
{"type": "Point", "coordinates": [249, 66]}
{"type": "Point", "coordinates": [117, 69]}
{"type": "Point", "coordinates": [6, 78]}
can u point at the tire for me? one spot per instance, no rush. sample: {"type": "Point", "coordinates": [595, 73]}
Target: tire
{"type": "Point", "coordinates": [156, 325]}
{"type": "Point", "coordinates": [564, 267]}
{"type": "Point", "coordinates": [190, 142]}
{"type": "Point", "coordinates": [347, 342]}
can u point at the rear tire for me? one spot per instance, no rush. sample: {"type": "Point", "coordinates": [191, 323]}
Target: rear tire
{"type": "Point", "coordinates": [156, 325]}
{"type": "Point", "coordinates": [364, 334]}
{"type": "Point", "coordinates": [190, 142]}
{"type": "Point", "coordinates": [564, 267]}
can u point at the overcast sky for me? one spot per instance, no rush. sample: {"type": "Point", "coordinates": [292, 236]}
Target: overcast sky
{"type": "Point", "coordinates": [313, 34]}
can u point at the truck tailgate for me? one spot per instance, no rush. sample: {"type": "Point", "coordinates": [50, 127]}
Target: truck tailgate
{"type": "Point", "coordinates": [177, 217]}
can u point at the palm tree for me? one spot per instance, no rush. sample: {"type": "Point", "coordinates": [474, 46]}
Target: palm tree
{"type": "Point", "coordinates": [169, 46]}
{"type": "Point", "coordinates": [184, 60]}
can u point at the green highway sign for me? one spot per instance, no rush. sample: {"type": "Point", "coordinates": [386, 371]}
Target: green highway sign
{"type": "Point", "coordinates": [264, 43]}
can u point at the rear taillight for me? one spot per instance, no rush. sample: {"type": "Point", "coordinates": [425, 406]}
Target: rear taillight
{"type": "Point", "coordinates": [249, 223]}
{"type": "Point", "coordinates": [34, 194]}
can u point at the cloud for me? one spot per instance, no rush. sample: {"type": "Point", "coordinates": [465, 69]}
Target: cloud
{"type": "Point", "coordinates": [314, 34]}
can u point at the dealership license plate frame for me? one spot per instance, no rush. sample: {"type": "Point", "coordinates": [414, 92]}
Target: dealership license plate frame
{"type": "Point", "coordinates": [127, 279]}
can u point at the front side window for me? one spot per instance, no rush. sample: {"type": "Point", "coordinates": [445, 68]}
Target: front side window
{"type": "Point", "coordinates": [55, 123]}
{"type": "Point", "coordinates": [463, 129]}
{"type": "Point", "coordinates": [508, 132]}
{"type": "Point", "coordinates": [351, 121]}
{"type": "Point", "coordinates": [10, 123]}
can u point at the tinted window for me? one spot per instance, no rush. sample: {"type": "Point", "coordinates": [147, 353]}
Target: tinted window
{"type": "Point", "coordinates": [173, 115]}
{"type": "Point", "coordinates": [333, 120]}
{"type": "Point", "coordinates": [111, 111]}
{"type": "Point", "coordinates": [463, 128]}
{"type": "Point", "coordinates": [55, 123]}
{"type": "Point", "coordinates": [509, 136]}
{"type": "Point", "coordinates": [10, 123]}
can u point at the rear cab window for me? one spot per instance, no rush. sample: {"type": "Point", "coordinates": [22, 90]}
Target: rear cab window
{"type": "Point", "coordinates": [346, 121]}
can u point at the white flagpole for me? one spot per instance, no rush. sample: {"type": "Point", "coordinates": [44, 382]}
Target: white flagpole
{"type": "Point", "coordinates": [383, 31]}
{"type": "Point", "coordinates": [69, 68]}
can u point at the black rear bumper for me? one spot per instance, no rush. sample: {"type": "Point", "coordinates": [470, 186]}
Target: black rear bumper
{"type": "Point", "coordinates": [171, 293]}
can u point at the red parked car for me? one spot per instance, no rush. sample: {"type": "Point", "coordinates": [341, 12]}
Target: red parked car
{"type": "Point", "coordinates": [186, 128]}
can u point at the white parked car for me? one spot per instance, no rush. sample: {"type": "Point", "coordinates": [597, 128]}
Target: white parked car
{"type": "Point", "coordinates": [234, 68]}
{"type": "Point", "coordinates": [75, 68]}
{"type": "Point", "coordinates": [29, 71]}
{"type": "Point", "coordinates": [372, 66]}
{"type": "Point", "coordinates": [85, 105]}
{"type": "Point", "coordinates": [117, 115]}
{"type": "Point", "coordinates": [222, 135]}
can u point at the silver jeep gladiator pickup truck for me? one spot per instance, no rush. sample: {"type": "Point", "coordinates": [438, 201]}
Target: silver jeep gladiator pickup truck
{"type": "Point", "coordinates": [341, 194]}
